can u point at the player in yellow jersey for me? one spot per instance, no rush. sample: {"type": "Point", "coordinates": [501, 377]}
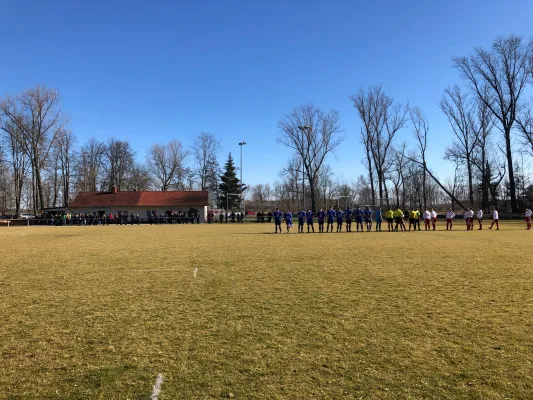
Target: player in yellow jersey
{"type": "Point", "coordinates": [412, 219]}
{"type": "Point", "coordinates": [398, 219]}
{"type": "Point", "coordinates": [389, 216]}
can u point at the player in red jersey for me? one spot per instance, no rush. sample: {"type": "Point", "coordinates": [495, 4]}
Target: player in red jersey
{"type": "Point", "coordinates": [449, 219]}
{"type": "Point", "coordinates": [528, 218]}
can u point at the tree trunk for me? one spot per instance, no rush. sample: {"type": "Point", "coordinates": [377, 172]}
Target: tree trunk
{"type": "Point", "coordinates": [55, 193]}
{"type": "Point", "coordinates": [453, 196]}
{"type": "Point", "coordinates": [424, 188]}
{"type": "Point", "coordinates": [39, 185]}
{"type": "Point", "coordinates": [370, 173]}
{"type": "Point", "coordinates": [313, 199]}
{"type": "Point", "coordinates": [33, 188]}
{"type": "Point", "coordinates": [380, 187]}
{"type": "Point", "coordinates": [18, 195]}
{"type": "Point", "coordinates": [66, 187]}
{"type": "Point", "coordinates": [485, 188]}
{"type": "Point", "coordinates": [470, 179]}
{"type": "Point", "coordinates": [509, 155]}
{"type": "Point", "coordinates": [397, 190]}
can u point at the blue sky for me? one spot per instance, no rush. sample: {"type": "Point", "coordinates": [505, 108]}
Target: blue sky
{"type": "Point", "coordinates": [150, 72]}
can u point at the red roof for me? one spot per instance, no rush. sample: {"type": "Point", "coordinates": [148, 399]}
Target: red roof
{"type": "Point", "coordinates": [140, 199]}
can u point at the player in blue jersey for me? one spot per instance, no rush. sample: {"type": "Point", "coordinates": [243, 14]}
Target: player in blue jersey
{"type": "Point", "coordinates": [331, 218]}
{"type": "Point", "coordinates": [288, 220]}
{"type": "Point", "coordinates": [368, 219]}
{"type": "Point", "coordinates": [309, 216]}
{"type": "Point", "coordinates": [338, 216]}
{"type": "Point", "coordinates": [277, 220]}
{"type": "Point", "coordinates": [321, 217]}
{"type": "Point", "coordinates": [301, 220]}
{"type": "Point", "coordinates": [379, 219]}
{"type": "Point", "coordinates": [359, 219]}
{"type": "Point", "coordinates": [348, 214]}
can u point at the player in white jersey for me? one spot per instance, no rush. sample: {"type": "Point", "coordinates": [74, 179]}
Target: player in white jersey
{"type": "Point", "coordinates": [480, 219]}
{"type": "Point", "coordinates": [528, 218]}
{"type": "Point", "coordinates": [434, 218]}
{"type": "Point", "coordinates": [449, 219]}
{"type": "Point", "coordinates": [495, 219]}
{"type": "Point", "coordinates": [466, 216]}
{"type": "Point", "coordinates": [427, 220]}
{"type": "Point", "coordinates": [472, 213]}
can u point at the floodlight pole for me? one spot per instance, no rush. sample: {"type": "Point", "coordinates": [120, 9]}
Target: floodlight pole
{"type": "Point", "coordinates": [243, 143]}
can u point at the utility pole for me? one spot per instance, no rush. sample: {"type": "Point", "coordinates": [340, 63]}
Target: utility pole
{"type": "Point", "coordinates": [243, 143]}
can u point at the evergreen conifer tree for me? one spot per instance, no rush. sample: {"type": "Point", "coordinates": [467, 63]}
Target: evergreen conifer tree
{"type": "Point", "coordinates": [229, 184]}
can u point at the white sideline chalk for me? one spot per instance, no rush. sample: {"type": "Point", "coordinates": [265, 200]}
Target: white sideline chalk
{"type": "Point", "coordinates": [153, 270]}
{"type": "Point", "coordinates": [195, 271]}
{"type": "Point", "coordinates": [157, 387]}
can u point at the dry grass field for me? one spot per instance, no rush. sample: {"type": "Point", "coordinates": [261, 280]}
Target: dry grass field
{"type": "Point", "coordinates": [99, 312]}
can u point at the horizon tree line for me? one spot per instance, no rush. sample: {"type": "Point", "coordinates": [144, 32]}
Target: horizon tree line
{"type": "Point", "coordinates": [490, 108]}
{"type": "Point", "coordinates": [491, 130]}
{"type": "Point", "coordinates": [42, 164]}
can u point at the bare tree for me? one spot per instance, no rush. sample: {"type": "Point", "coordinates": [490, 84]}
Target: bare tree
{"type": "Point", "coordinates": [421, 129]}
{"type": "Point", "coordinates": [499, 77]}
{"type": "Point", "coordinates": [66, 154]}
{"type": "Point", "coordinates": [397, 173]}
{"type": "Point", "coordinates": [17, 159]}
{"type": "Point", "coordinates": [118, 157]}
{"type": "Point", "coordinates": [6, 186]}
{"type": "Point", "coordinates": [88, 166]}
{"type": "Point", "coordinates": [525, 125]}
{"type": "Point", "coordinates": [367, 162]}
{"type": "Point", "coordinates": [363, 189]}
{"type": "Point", "coordinates": [459, 110]}
{"type": "Point", "coordinates": [369, 110]}
{"type": "Point", "coordinates": [313, 134]}
{"type": "Point", "coordinates": [52, 178]}
{"type": "Point", "coordinates": [294, 180]}
{"type": "Point", "coordinates": [166, 163]}
{"type": "Point", "coordinates": [138, 178]}
{"type": "Point", "coordinates": [281, 195]}
{"type": "Point", "coordinates": [482, 125]}
{"type": "Point", "coordinates": [189, 178]}
{"type": "Point", "coordinates": [261, 193]}
{"type": "Point", "coordinates": [326, 186]}
{"type": "Point", "coordinates": [452, 184]}
{"type": "Point", "coordinates": [206, 148]}
{"type": "Point", "coordinates": [382, 119]}
{"type": "Point", "coordinates": [38, 118]}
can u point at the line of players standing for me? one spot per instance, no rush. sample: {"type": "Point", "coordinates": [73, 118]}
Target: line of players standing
{"type": "Point", "coordinates": [395, 219]}
{"type": "Point", "coordinates": [329, 218]}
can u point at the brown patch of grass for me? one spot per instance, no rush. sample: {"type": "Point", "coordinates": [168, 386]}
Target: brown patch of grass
{"type": "Point", "coordinates": [98, 312]}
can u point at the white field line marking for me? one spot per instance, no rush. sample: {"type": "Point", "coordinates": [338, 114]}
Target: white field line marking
{"type": "Point", "coordinates": [13, 234]}
{"type": "Point", "coordinates": [195, 271]}
{"type": "Point", "coordinates": [157, 387]}
{"type": "Point", "coordinates": [153, 270]}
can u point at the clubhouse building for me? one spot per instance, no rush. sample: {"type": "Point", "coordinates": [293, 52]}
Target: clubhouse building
{"type": "Point", "coordinates": [144, 203]}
